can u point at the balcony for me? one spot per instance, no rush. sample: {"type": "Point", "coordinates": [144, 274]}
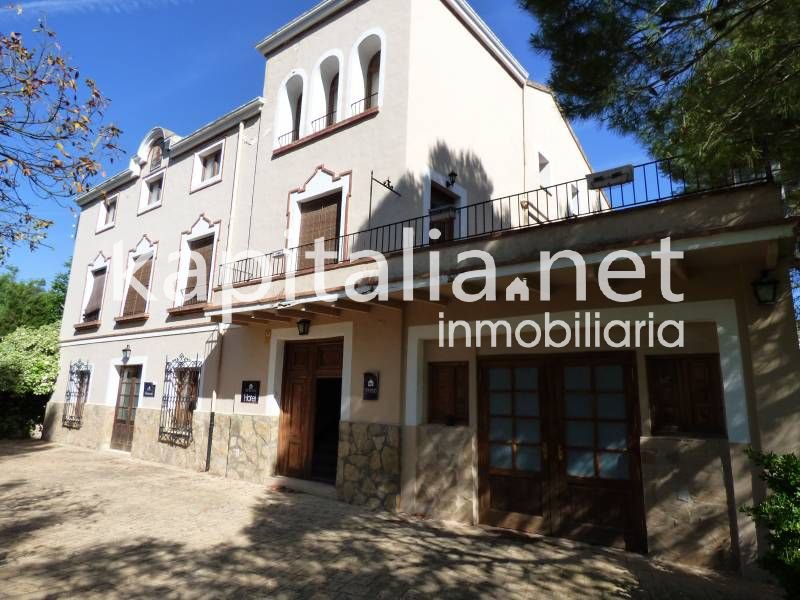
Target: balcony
{"type": "Point", "coordinates": [652, 183]}
{"type": "Point", "coordinates": [327, 125]}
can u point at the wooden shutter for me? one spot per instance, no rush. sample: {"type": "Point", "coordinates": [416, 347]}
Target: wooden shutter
{"type": "Point", "coordinates": [135, 302]}
{"type": "Point", "coordinates": [318, 219]}
{"type": "Point", "coordinates": [202, 253]}
{"type": "Point", "coordinates": [92, 310]}
{"type": "Point", "coordinates": [686, 395]}
{"type": "Point", "coordinates": [448, 393]}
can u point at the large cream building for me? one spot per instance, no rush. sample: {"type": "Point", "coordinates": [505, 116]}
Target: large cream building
{"type": "Point", "coordinates": [194, 333]}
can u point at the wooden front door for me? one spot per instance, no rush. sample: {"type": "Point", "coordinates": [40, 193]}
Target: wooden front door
{"type": "Point", "coordinates": [304, 362]}
{"type": "Point", "coordinates": [558, 442]}
{"type": "Point", "coordinates": [125, 411]}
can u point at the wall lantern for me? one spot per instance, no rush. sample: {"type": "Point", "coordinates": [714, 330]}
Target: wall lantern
{"type": "Point", "coordinates": [126, 353]}
{"type": "Point", "coordinates": [451, 179]}
{"type": "Point", "coordinates": [303, 326]}
{"type": "Point", "coordinates": [766, 288]}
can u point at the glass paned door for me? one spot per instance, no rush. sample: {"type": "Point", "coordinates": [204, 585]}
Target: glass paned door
{"type": "Point", "coordinates": [512, 430]}
{"type": "Point", "coordinates": [599, 489]}
{"type": "Point", "coordinates": [125, 410]}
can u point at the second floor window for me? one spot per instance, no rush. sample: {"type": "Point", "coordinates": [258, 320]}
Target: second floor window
{"type": "Point", "coordinates": [198, 281]}
{"type": "Point", "coordinates": [333, 100]}
{"type": "Point", "coordinates": [296, 117]}
{"type": "Point", "coordinates": [97, 281]}
{"type": "Point", "coordinates": [138, 287]}
{"type": "Point", "coordinates": [110, 216]}
{"type": "Point", "coordinates": [154, 190]}
{"type": "Point", "coordinates": [211, 165]}
{"type": "Point", "coordinates": [318, 219]}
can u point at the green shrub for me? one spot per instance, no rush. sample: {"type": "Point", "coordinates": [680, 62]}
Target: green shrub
{"type": "Point", "coordinates": [779, 513]}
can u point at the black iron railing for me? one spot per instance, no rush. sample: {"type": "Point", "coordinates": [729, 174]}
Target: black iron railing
{"type": "Point", "coordinates": [360, 106]}
{"type": "Point", "coordinates": [77, 392]}
{"type": "Point", "coordinates": [288, 138]}
{"type": "Point", "coordinates": [181, 390]}
{"type": "Point", "coordinates": [655, 181]}
{"type": "Point", "coordinates": [323, 122]}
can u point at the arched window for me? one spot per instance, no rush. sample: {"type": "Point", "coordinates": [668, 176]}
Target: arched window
{"type": "Point", "coordinates": [289, 113]}
{"type": "Point", "coordinates": [155, 156]}
{"type": "Point", "coordinates": [333, 100]}
{"type": "Point", "coordinates": [367, 60]}
{"type": "Point", "coordinates": [372, 82]}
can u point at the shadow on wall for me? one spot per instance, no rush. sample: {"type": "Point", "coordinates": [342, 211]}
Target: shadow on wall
{"type": "Point", "coordinates": [388, 209]}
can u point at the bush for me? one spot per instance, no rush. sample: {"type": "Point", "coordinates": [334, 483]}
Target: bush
{"type": "Point", "coordinates": [780, 515]}
{"type": "Point", "coordinates": [19, 415]}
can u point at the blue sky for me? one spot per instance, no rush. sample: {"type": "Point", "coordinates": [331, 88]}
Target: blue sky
{"type": "Point", "coordinates": [182, 63]}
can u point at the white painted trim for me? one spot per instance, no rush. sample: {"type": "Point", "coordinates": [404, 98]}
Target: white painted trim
{"type": "Point", "coordinates": [144, 192]}
{"type": "Point", "coordinates": [113, 378]}
{"type": "Point", "coordinates": [100, 262]}
{"type": "Point", "coordinates": [720, 312]}
{"type": "Point", "coordinates": [191, 329]}
{"type": "Point", "coordinates": [197, 232]}
{"type": "Point", "coordinates": [197, 166]}
{"type": "Point", "coordinates": [356, 88]}
{"type": "Point", "coordinates": [277, 343]}
{"type": "Point", "coordinates": [217, 127]}
{"type": "Point", "coordinates": [282, 104]}
{"type": "Point", "coordinates": [317, 89]}
{"type": "Point", "coordinates": [319, 186]}
{"type": "Point", "coordinates": [103, 212]}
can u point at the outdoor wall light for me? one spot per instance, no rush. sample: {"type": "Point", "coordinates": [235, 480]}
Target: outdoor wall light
{"type": "Point", "coordinates": [766, 288]}
{"type": "Point", "coordinates": [451, 179]}
{"type": "Point", "coordinates": [303, 326]}
{"type": "Point", "coordinates": [126, 353]}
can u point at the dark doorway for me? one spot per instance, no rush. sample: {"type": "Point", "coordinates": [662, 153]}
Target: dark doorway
{"type": "Point", "coordinates": [312, 376]}
{"type": "Point", "coordinates": [327, 411]}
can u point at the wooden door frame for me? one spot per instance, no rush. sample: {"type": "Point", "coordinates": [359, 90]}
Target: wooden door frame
{"type": "Point", "coordinates": [517, 521]}
{"type": "Point", "coordinates": [314, 373]}
{"type": "Point", "coordinates": [130, 423]}
{"type": "Point", "coordinates": [551, 417]}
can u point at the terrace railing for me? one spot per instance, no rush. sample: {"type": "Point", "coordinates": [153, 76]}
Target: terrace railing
{"type": "Point", "coordinates": [656, 181]}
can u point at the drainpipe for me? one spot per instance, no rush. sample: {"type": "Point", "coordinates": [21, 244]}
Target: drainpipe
{"type": "Point", "coordinates": [221, 329]}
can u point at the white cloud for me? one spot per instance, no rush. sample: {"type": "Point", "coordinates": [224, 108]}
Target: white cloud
{"type": "Point", "coordinates": [110, 6]}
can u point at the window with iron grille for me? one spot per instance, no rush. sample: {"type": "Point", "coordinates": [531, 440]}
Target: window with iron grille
{"type": "Point", "coordinates": [181, 389]}
{"type": "Point", "coordinates": [77, 392]}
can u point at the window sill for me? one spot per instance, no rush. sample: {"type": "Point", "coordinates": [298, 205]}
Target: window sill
{"type": "Point", "coordinates": [187, 310]}
{"type": "Point", "coordinates": [310, 139]}
{"type": "Point", "coordinates": [105, 228]}
{"type": "Point", "coordinates": [205, 184]}
{"type": "Point", "coordinates": [147, 209]}
{"type": "Point", "coordinates": [86, 326]}
{"type": "Point", "coordinates": [141, 317]}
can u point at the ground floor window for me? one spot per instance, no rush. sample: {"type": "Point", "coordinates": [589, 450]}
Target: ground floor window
{"type": "Point", "coordinates": [448, 393]}
{"type": "Point", "coordinates": [77, 392]}
{"type": "Point", "coordinates": [181, 390]}
{"type": "Point", "coordinates": [686, 395]}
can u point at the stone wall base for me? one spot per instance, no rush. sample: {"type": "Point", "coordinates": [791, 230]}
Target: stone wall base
{"type": "Point", "coordinates": [368, 471]}
{"type": "Point", "coordinates": [244, 446]}
{"type": "Point", "coordinates": [445, 479]}
{"type": "Point", "coordinates": [94, 432]}
{"type": "Point", "coordinates": [691, 514]}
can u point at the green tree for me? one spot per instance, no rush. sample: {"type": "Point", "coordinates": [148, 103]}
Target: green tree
{"type": "Point", "coordinates": [29, 303]}
{"type": "Point", "coordinates": [52, 134]}
{"type": "Point", "coordinates": [29, 360]}
{"type": "Point", "coordinates": [717, 81]}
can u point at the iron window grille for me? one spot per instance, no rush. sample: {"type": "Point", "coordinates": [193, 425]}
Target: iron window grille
{"type": "Point", "coordinates": [181, 389]}
{"type": "Point", "coordinates": [77, 392]}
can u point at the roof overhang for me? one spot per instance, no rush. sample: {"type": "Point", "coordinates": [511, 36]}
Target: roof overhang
{"type": "Point", "coordinates": [461, 8]}
{"type": "Point", "coordinates": [177, 148]}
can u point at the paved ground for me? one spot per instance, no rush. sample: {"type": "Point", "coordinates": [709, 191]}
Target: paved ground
{"type": "Point", "coordinates": [77, 524]}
